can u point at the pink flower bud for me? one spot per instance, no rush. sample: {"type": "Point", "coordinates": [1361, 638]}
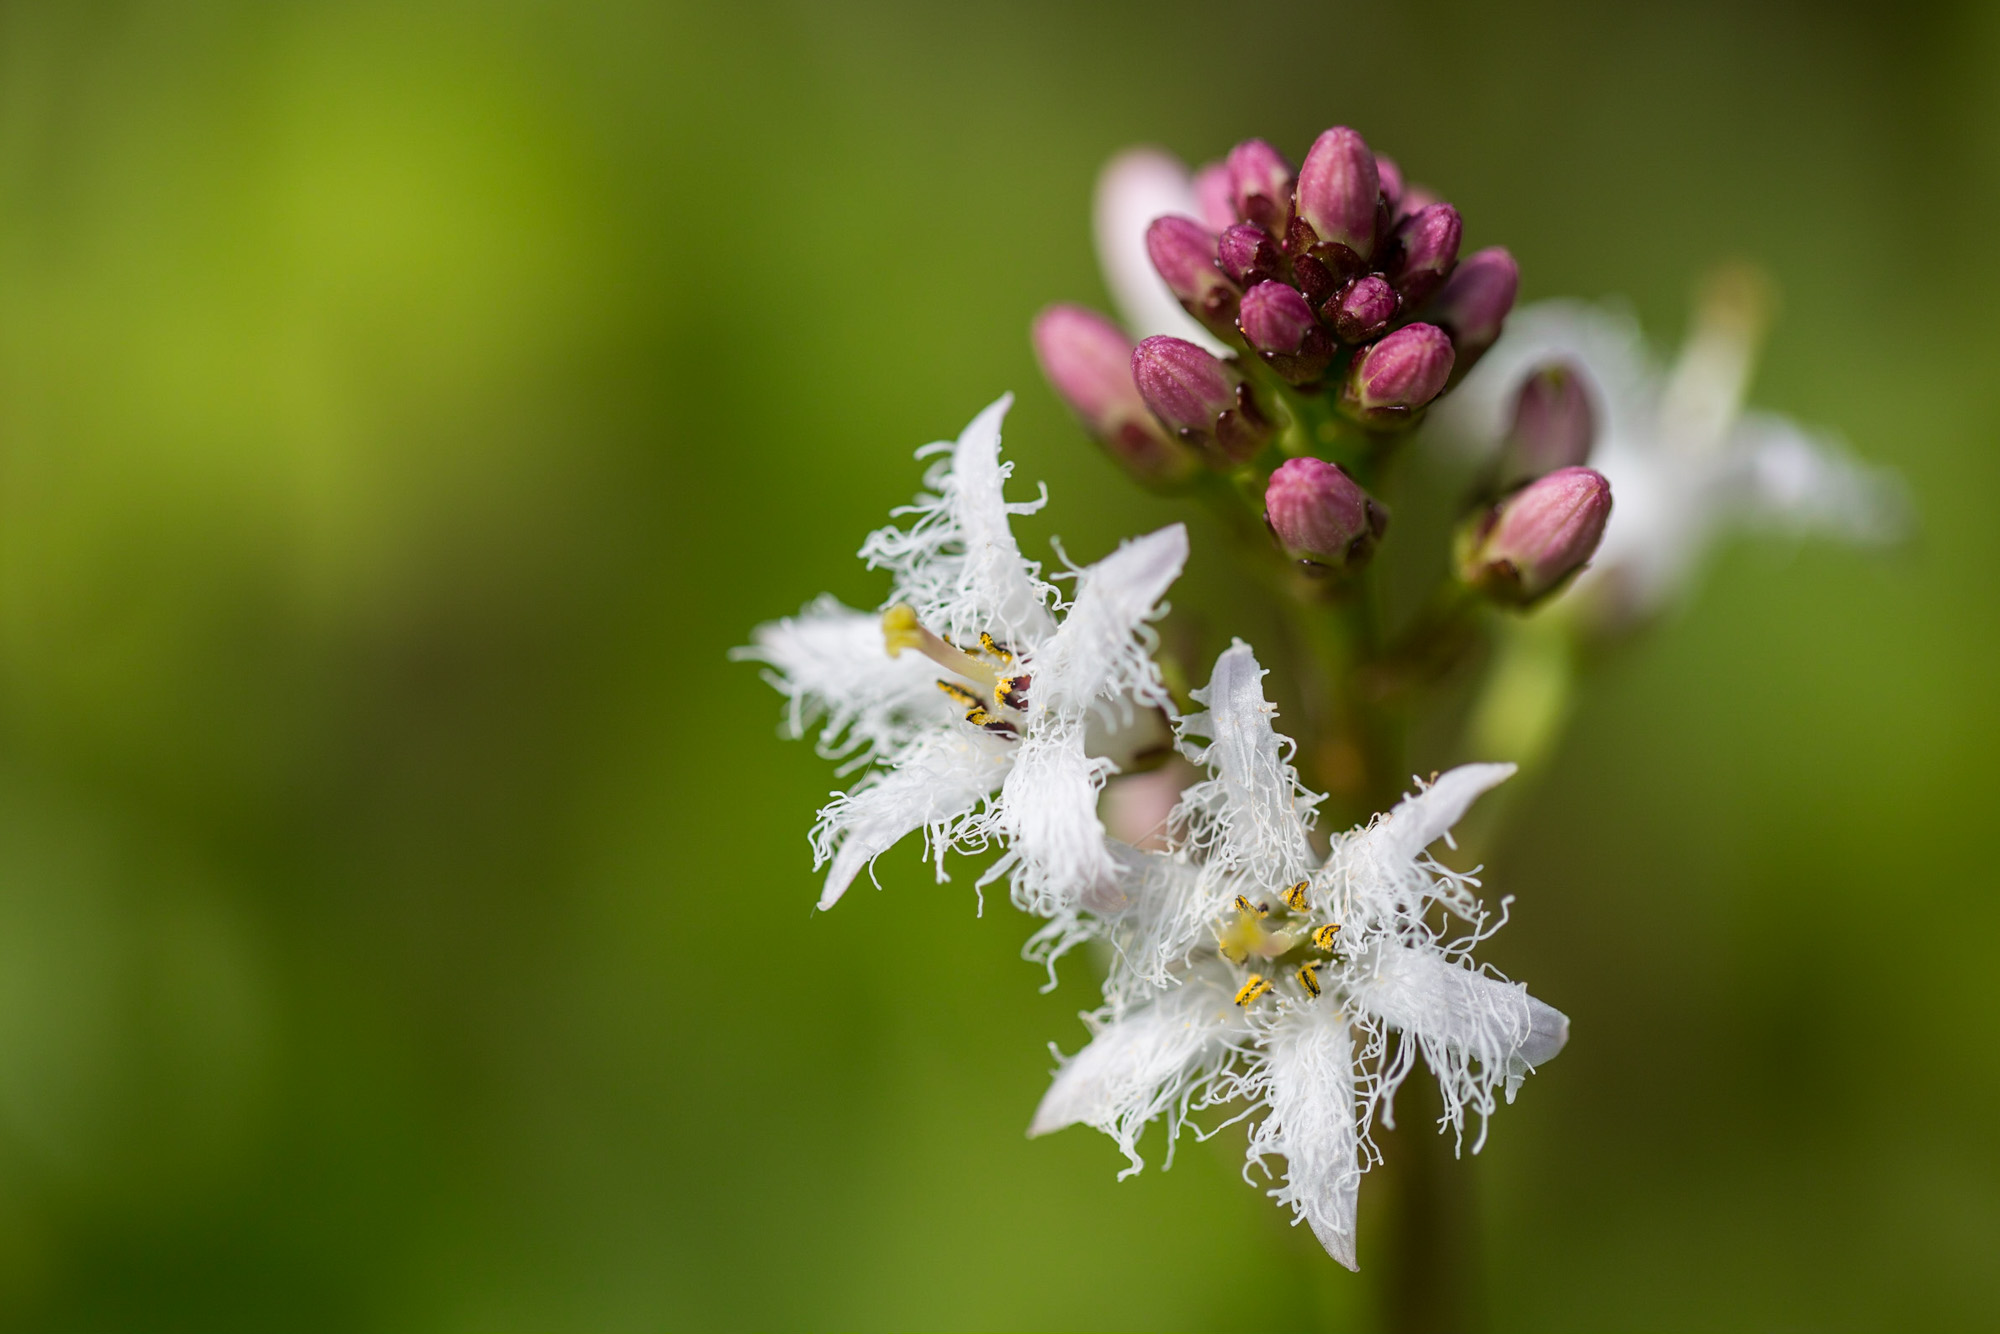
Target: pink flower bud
{"type": "Point", "coordinates": [1473, 305]}
{"type": "Point", "coordinates": [1363, 309]}
{"type": "Point", "coordinates": [1249, 255]}
{"type": "Point", "coordinates": [1429, 248]}
{"type": "Point", "coordinates": [1527, 546]}
{"type": "Point", "coordinates": [1390, 380]}
{"type": "Point", "coordinates": [1319, 516]}
{"type": "Point", "coordinates": [1279, 325]}
{"type": "Point", "coordinates": [1089, 361]}
{"type": "Point", "coordinates": [1553, 424]}
{"type": "Point", "coordinates": [1213, 198]}
{"type": "Point", "coordinates": [1205, 401]}
{"type": "Point", "coordinates": [1260, 185]}
{"type": "Point", "coordinates": [1183, 252]}
{"type": "Point", "coordinates": [1337, 192]}
{"type": "Point", "coordinates": [1391, 177]}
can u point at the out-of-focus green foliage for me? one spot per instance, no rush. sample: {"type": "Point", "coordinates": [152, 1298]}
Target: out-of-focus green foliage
{"type": "Point", "coordinates": [405, 908]}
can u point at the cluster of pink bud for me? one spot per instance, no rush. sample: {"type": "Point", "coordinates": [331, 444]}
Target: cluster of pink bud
{"type": "Point", "coordinates": [1336, 273]}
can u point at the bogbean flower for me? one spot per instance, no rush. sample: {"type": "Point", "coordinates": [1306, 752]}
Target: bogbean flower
{"type": "Point", "coordinates": [1686, 461]}
{"type": "Point", "coordinates": [984, 708]}
{"type": "Point", "coordinates": [1248, 969]}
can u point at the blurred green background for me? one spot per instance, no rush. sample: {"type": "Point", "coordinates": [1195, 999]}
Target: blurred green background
{"type": "Point", "coordinates": [404, 906]}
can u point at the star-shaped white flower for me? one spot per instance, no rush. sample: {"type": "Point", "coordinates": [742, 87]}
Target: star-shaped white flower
{"type": "Point", "coordinates": [988, 709]}
{"type": "Point", "coordinates": [1684, 458]}
{"type": "Point", "coordinates": [1248, 968]}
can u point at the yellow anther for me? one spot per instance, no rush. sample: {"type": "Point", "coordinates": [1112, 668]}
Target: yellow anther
{"type": "Point", "coordinates": [1309, 978]}
{"type": "Point", "coordinates": [995, 650]}
{"type": "Point", "coordinates": [1249, 909]}
{"type": "Point", "coordinates": [1257, 986]}
{"type": "Point", "coordinates": [1295, 897]}
{"type": "Point", "coordinates": [1323, 937]}
{"type": "Point", "coordinates": [1011, 692]}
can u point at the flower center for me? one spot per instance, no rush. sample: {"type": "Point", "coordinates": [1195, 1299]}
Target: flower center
{"type": "Point", "coordinates": [1250, 935]}
{"type": "Point", "coordinates": [999, 694]}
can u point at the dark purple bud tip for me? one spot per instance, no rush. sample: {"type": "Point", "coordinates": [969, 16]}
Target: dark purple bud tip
{"type": "Point", "coordinates": [1320, 517]}
{"type": "Point", "coordinates": [1260, 185]}
{"type": "Point", "coordinates": [1337, 191]}
{"type": "Point", "coordinates": [1528, 546]}
{"type": "Point", "coordinates": [1089, 361]}
{"type": "Point", "coordinates": [1213, 198]}
{"type": "Point", "coordinates": [1473, 304]}
{"type": "Point", "coordinates": [1249, 256]}
{"type": "Point", "coordinates": [1391, 380]}
{"type": "Point", "coordinates": [1428, 248]}
{"type": "Point", "coordinates": [1183, 251]}
{"type": "Point", "coordinates": [1363, 309]}
{"type": "Point", "coordinates": [1554, 424]}
{"type": "Point", "coordinates": [1204, 401]}
{"type": "Point", "coordinates": [1279, 325]}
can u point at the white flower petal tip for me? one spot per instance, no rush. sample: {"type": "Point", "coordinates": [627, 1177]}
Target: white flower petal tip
{"type": "Point", "coordinates": [1313, 1123]}
{"type": "Point", "coordinates": [1134, 188]}
{"type": "Point", "coordinates": [1428, 814]}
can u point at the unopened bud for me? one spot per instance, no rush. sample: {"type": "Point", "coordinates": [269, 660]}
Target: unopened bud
{"type": "Point", "coordinates": [1429, 248]}
{"type": "Point", "coordinates": [1390, 380]}
{"type": "Point", "coordinates": [1473, 304]}
{"type": "Point", "coordinates": [1337, 192]}
{"type": "Point", "coordinates": [1363, 309]}
{"type": "Point", "coordinates": [1527, 546]}
{"type": "Point", "coordinates": [1553, 424]}
{"type": "Point", "coordinates": [1260, 185]}
{"type": "Point", "coordinates": [1089, 361]}
{"type": "Point", "coordinates": [1249, 255]}
{"type": "Point", "coordinates": [1183, 252]}
{"type": "Point", "coordinates": [1212, 196]}
{"type": "Point", "coordinates": [1205, 401]}
{"type": "Point", "coordinates": [1277, 322]}
{"type": "Point", "coordinates": [1319, 516]}
{"type": "Point", "coordinates": [1391, 177]}
{"type": "Point", "coordinates": [1414, 199]}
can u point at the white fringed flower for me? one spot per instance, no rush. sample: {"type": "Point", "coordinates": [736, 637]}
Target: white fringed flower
{"type": "Point", "coordinates": [988, 708]}
{"type": "Point", "coordinates": [1247, 968]}
{"type": "Point", "coordinates": [1134, 188]}
{"type": "Point", "coordinates": [1683, 457]}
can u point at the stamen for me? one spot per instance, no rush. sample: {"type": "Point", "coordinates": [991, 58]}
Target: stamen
{"type": "Point", "coordinates": [1323, 937]}
{"type": "Point", "coordinates": [997, 650]}
{"type": "Point", "coordinates": [1295, 897]}
{"type": "Point", "coordinates": [1309, 978]}
{"type": "Point", "coordinates": [1011, 692]}
{"type": "Point", "coordinates": [976, 711]}
{"type": "Point", "coordinates": [1249, 909]}
{"type": "Point", "coordinates": [1258, 985]}
{"type": "Point", "coordinates": [902, 630]}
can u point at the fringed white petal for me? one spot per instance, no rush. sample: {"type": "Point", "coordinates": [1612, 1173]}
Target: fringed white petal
{"type": "Point", "coordinates": [1134, 188]}
{"type": "Point", "coordinates": [937, 780]}
{"type": "Point", "coordinates": [1252, 818]}
{"type": "Point", "coordinates": [1427, 815]}
{"type": "Point", "coordinates": [1104, 649]}
{"type": "Point", "coordinates": [1047, 814]}
{"type": "Point", "coordinates": [830, 664]}
{"type": "Point", "coordinates": [1476, 1032]}
{"type": "Point", "coordinates": [1147, 1064]}
{"type": "Point", "coordinates": [1806, 483]}
{"type": "Point", "coordinates": [1313, 1122]}
{"type": "Point", "coordinates": [958, 565]}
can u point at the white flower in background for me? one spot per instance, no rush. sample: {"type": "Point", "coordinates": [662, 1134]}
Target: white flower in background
{"type": "Point", "coordinates": [1683, 457]}
{"type": "Point", "coordinates": [985, 714]}
{"type": "Point", "coordinates": [1137, 186]}
{"type": "Point", "coordinates": [1246, 967]}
